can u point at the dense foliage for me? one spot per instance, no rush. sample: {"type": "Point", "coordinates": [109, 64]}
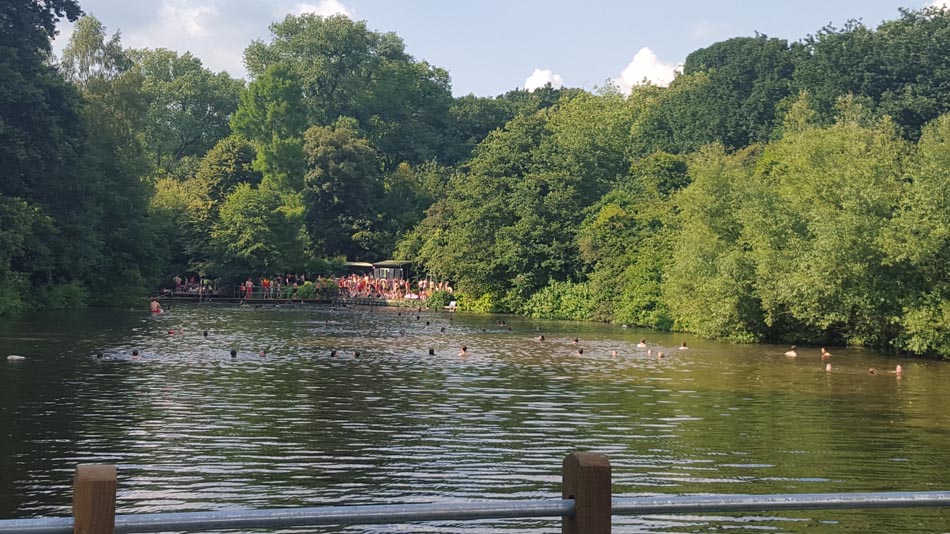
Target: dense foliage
{"type": "Point", "coordinates": [775, 190]}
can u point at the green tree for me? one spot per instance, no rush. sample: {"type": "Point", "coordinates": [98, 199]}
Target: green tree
{"type": "Point", "coordinates": [228, 164]}
{"type": "Point", "coordinates": [342, 190]}
{"type": "Point", "coordinates": [272, 115]}
{"type": "Point", "coordinates": [747, 78]}
{"type": "Point", "coordinates": [815, 231]}
{"type": "Point", "coordinates": [90, 55]}
{"type": "Point", "coordinates": [710, 283]}
{"type": "Point", "coordinates": [918, 244]}
{"type": "Point", "coordinates": [346, 70]}
{"type": "Point", "coordinates": [189, 107]}
{"type": "Point", "coordinates": [257, 232]}
{"type": "Point", "coordinates": [901, 67]}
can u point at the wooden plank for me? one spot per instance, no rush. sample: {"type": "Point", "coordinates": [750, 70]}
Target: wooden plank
{"type": "Point", "coordinates": [586, 479]}
{"type": "Point", "coordinates": [94, 489]}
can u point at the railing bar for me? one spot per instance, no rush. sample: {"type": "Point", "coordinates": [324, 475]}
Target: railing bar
{"type": "Point", "coordinates": [44, 525]}
{"type": "Point", "coordinates": [799, 501]}
{"type": "Point", "coordinates": [402, 513]}
{"type": "Point", "coordinates": [341, 515]}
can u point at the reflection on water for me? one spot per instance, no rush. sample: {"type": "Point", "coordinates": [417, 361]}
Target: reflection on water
{"type": "Point", "coordinates": [192, 428]}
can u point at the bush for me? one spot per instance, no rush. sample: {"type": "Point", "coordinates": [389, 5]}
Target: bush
{"type": "Point", "coordinates": [306, 290]}
{"type": "Point", "coordinates": [562, 300]}
{"type": "Point", "coordinates": [12, 291]}
{"type": "Point", "coordinates": [439, 300]}
{"type": "Point", "coordinates": [927, 329]}
{"type": "Point", "coordinates": [63, 297]}
{"type": "Point", "coordinates": [482, 304]}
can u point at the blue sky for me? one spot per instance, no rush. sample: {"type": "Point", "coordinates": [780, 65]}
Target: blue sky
{"type": "Point", "coordinates": [492, 46]}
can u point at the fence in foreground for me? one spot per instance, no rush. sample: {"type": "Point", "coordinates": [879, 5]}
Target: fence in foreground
{"type": "Point", "coordinates": [586, 507]}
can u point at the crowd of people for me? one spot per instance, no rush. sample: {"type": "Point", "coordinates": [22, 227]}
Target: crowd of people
{"type": "Point", "coordinates": [366, 286]}
{"type": "Point", "coordinates": [192, 285]}
{"type": "Point", "coordinates": [293, 286]}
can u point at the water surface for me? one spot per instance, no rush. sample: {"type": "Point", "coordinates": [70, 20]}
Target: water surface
{"type": "Point", "coordinates": [192, 429]}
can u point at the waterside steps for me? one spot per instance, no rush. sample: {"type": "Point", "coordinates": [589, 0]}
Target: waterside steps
{"type": "Point", "coordinates": [369, 301]}
{"type": "Point", "coordinates": [585, 507]}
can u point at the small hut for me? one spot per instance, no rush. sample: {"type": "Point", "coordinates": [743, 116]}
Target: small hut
{"type": "Point", "coordinates": [392, 269]}
{"type": "Point", "coordinates": [359, 267]}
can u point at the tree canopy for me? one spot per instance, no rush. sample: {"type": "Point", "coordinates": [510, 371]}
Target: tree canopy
{"type": "Point", "coordinates": [776, 190]}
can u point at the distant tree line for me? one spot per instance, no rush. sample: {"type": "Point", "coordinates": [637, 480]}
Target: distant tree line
{"type": "Point", "coordinates": [774, 191]}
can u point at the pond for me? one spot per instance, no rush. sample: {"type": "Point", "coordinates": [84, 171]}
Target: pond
{"type": "Point", "coordinates": [191, 428]}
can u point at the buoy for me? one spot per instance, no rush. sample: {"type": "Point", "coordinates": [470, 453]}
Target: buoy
{"type": "Point", "coordinates": [15, 358]}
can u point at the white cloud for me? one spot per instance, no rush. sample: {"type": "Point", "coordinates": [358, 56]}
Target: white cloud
{"type": "Point", "coordinates": [215, 31]}
{"type": "Point", "coordinates": [647, 67]}
{"type": "Point", "coordinates": [541, 77]}
{"type": "Point", "coordinates": [705, 30]}
{"type": "Point", "coordinates": [324, 8]}
{"type": "Point", "coordinates": [206, 28]}
{"type": "Point", "coordinates": [940, 3]}
{"type": "Point", "coordinates": [192, 19]}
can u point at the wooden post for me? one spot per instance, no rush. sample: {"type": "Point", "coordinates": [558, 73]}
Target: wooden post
{"type": "Point", "coordinates": [94, 499]}
{"type": "Point", "coordinates": [586, 479]}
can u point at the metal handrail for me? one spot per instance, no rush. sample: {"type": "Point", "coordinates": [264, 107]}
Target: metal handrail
{"type": "Point", "coordinates": [788, 501]}
{"type": "Point", "coordinates": [405, 513]}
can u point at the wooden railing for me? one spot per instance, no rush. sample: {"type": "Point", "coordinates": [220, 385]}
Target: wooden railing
{"type": "Point", "coordinates": [586, 507]}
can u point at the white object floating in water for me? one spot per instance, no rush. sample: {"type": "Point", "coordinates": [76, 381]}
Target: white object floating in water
{"type": "Point", "coordinates": [15, 358]}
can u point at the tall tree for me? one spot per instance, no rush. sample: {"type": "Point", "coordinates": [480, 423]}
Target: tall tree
{"type": "Point", "coordinates": [902, 67]}
{"type": "Point", "coordinates": [189, 107]}
{"type": "Point", "coordinates": [346, 70]}
{"type": "Point", "coordinates": [91, 55]}
{"type": "Point", "coordinates": [342, 190]}
{"type": "Point", "coordinates": [272, 115]}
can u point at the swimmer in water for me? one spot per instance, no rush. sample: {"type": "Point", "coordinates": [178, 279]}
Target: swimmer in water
{"type": "Point", "coordinates": [431, 351]}
{"type": "Point", "coordinates": [333, 354]}
{"type": "Point", "coordinates": [464, 351]}
{"type": "Point", "coordinates": [155, 307]}
{"type": "Point", "coordinates": [792, 352]}
{"type": "Point", "coordinates": [683, 346]}
{"type": "Point", "coordinates": [575, 341]}
{"type": "Point", "coordinates": [659, 355]}
{"type": "Point", "coordinates": [825, 355]}
{"type": "Point", "coordinates": [233, 353]}
{"type": "Point", "coordinates": [642, 344]}
{"type": "Point", "coordinates": [135, 354]}
{"type": "Point", "coordinates": [541, 338]}
{"type": "Point", "coordinates": [872, 371]}
{"type": "Point", "coordinates": [898, 370]}
{"type": "Point", "coordinates": [613, 354]}
{"type": "Point", "coordinates": [580, 352]}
